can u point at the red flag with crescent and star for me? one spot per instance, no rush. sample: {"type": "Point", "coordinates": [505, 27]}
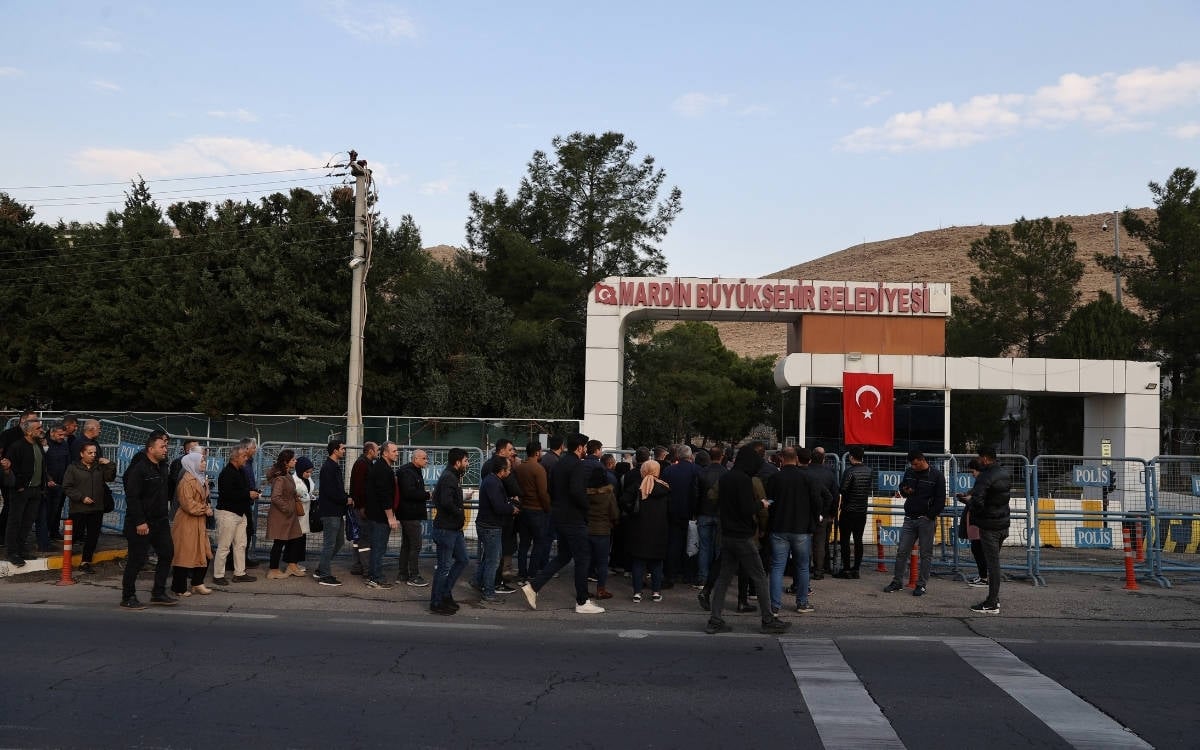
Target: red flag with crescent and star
{"type": "Point", "coordinates": [868, 408]}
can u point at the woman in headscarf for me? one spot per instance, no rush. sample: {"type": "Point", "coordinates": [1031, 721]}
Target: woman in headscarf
{"type": "Point", "coordinates": [189, 534]}
{"type": "Point", "coordinates": [283, 517]}
{"type": "Point", "coordinates": [306, 492]}
{"type": "Point", "coordinates": [649, 531]}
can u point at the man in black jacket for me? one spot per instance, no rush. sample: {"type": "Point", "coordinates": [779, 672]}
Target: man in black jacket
{"type": "Point", "coordinates": [146, 524]}
{"type": "Point", "coordinates": [28, 471]}
{"type": "Point", "coordinates": [414, 509]}
{"type": "Point", "coordinates": [795, 516]}
{"type": "Point", "coordinates": [989, 511]}
{"type": "Point", "coordinates": [569, 508]}
{"type": "Point", "coordinates": [235, 498]}
{"type": "Point", "coordinates": [332, 502]}
{"type": "Point", "coordinates": [383, 495]}
{"type": "Point", "coordinates": [10, 437]}
{"type": "Point", "coordinates": [924, 491]}
{"type": "Point", "coordinates": [739, 512]}
{"type": "Point", "coordinates": [448, 533]}
{"type": "Point", "coordinates": [826, 474]}
{"type": "Point", "coordinates": [857, 484]}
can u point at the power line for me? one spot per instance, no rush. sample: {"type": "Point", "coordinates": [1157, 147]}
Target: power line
{"type": "Point", "coordinates": [43, 201]}
{"type": "Point", "coordinates": [179, 198]}
{"type": "Point", "coordinates": [171, 179]}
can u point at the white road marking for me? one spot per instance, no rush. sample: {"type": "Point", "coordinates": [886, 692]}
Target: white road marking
{"type": "Point", "coordinates": [420, 624]}
{"type": "Point", "coordinates": [232, 615]}
{"type": "Point", "coordinates": [841, 708]}
{"type": "Point", "coordinates": [34, 605]}
{"type": "Point", "coordinates": [1071, 717]}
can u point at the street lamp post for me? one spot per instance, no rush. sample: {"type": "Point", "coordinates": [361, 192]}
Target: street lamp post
{"type": "Point", "coordinates": [1116, 250]}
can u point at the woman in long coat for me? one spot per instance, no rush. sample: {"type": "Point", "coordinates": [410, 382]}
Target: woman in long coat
{"type": "Point", "coordinates": [283, 518]}
{"type": "Point", "coordinates": [189, 534]}
{"type": "Point", "coordinates": [649, 531]}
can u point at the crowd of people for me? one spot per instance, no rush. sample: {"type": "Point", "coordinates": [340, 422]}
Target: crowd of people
{"type": "Point", "coordinates": [661, 518]}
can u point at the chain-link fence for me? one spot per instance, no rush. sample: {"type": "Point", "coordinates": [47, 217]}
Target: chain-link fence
{"type": "Point", "coordinates": [1175, 519]}
{"type": "Point", "coordinates": [1083, 505]}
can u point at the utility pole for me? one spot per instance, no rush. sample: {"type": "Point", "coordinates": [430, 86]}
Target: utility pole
{"type": "Point", "coordinates": [358, 304]}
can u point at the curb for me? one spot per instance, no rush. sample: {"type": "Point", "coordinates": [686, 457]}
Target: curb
{"type": "Point", "coordinates": [55, 562]}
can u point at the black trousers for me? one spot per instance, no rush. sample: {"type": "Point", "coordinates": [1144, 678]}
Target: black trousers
{"type": "Point", "coordinates": [291, 550]}
{"type": "Point", "coordinates": [734, 553]}
{"type": "Point", "coordinates": [852, 524]}
{"type": "Point", "coordinates": [179, 579]}
{"type": "Point", "coordinates": [24, 505]}
{"type": "Point", "coordinates": [159, 539]}
{"type": "Point", "coordinates": [87, 532]}
{"type": "Point", "coordinates": [991, 540]}
{"type": "Point", "coordinates": [410, 549]}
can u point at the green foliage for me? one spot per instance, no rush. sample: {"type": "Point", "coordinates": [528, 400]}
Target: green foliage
{"type": "Point", "coordinates": [1165, 284]}
{"type": "Point", "coordinates": [1101, 329]}
{"type": "Point", "coordinates": [687, 384]}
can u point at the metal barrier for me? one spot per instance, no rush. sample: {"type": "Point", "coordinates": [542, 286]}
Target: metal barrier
{"type": "Point", "coordinates": [1174, 533]}
{"type": "Point", "coordinates": [1081, 506]}
{"type": "Point", "coordinates": [1016, 554]}
{"type": "Point", "coordinates": [887, 506]}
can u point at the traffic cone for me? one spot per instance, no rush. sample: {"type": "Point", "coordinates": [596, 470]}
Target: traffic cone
{"type": "Point", "coordinates": [68, 535]}
{"type": "Point", "coordinates": [1131, 583]}
{"type": "Point", "coordinates": [913, 563]}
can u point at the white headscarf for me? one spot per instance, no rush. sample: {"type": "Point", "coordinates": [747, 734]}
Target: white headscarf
{"type": "Point", "coordinates": [191, 464]}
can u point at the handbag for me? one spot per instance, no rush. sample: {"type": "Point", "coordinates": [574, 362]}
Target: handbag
{"type": "Point", "coordinates": [315, 523]}
{"type": "Point", "coordinates": [299, 508]}
{"type": "Point", "coordinates": [693, 538]}
{"type": "Point", "coordinates": [109, 503]}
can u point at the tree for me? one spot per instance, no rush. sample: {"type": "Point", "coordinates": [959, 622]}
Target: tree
{"type": "Point", "coordinates": [1164, 283]}
{"type": "Point", "coordinates": [685, 383]}
{"type": "Point", "coordinates": [27, 256]}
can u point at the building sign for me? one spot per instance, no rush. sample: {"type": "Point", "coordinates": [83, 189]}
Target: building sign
{"type": "Point", "coordinates": [1092, 476]}
{"type": "Point", "coordinates": [783, 295]}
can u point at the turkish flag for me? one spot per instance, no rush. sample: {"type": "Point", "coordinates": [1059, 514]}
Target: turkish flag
{"type": "Point", "coordinates": [868, 412]}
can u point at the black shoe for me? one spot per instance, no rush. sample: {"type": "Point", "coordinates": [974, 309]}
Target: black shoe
{"type": "Point", "coordinates": [843, 574]}
{"type": "Point", "coordinates": [744, 607]}
{"type": "Point", "coordinates": [87, 568]}
{"type": "Point", "coordinates": [441, 609]}
{"type": "Point", "coordinates": [222, 581]}
{"type": "Point", "coordinates": [854, 574]}
{"type": "Point", "coordinates": [776, 627]}
{"type": "Point", "coordinates": [816, 576]}
{"type": "Point", "coordinates": [715, 627]}
{"type": "Point", "coordinates": [987, 608]}
{"type": "Point", "coordinates": [449, 602]}
{"type": "Point", "coordinates": [504, 588]}
{"type": "Point", "coordinates": [893, 586]}
{"type": "Point", "coordinates": [17, 561]}
{"type": "Point", "coordinates": [244, 579]}
{"type": "Point", "coordinates": [165, 600]}
{"type": "Point", "coordinates": [919, 591]}
{"type": "Point", "coordinates": [705, 600]}
{"type": "Point", "coordinates": [329, 581]}
{"type": "Point", "coordinates": [132, 603]}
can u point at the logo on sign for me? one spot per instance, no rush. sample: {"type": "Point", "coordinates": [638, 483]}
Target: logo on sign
{"type": "Point", "coordinates": [890, 480]}
{"type": "Point", "coordinates": [1093, 538]}
{"type": "Point", "coordinates": [889, 535]}
{"type": "Point", "coordinates": [1092, 476]}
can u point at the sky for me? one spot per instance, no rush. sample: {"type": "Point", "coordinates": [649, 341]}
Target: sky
{"type": "Point", "coordinates": [793, 130]}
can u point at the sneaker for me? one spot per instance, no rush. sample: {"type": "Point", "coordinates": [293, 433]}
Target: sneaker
{"type": "Point", "coordinates": [329, 581]}
{"type": "Point", "coordinates": [504, 588]}
{"type": "Point", "coordinates": [698, 586]}
{"type": "Point", "coordinates": [593, 579]}
{"type": "Point", "coordinates": [132, 603]}
{"type": "Point", "coordinates": [87, 568]}
{"type": "Point", "coordinates": [776, 627]}
{"type": "Point", "coordinates": [805, 608]}
{"type": "Point", "coordinates": [656, 597]}
{"type": "Point", "coordinates": [165, 600]}
{"type": "Point", "coordinates": [719, 626]}
{"type": "Point", "coordinates": [978, 582]}
{"type": "Point", "coordinates": [588, 608]}
{"type": "Point", "coordinates": [222, 581]}
{"type": "Point", "coordinates": [243, 579]}
{"type": "Point", "coordinates": [530, 595]}
{"type": "Point", "coordinates": [450, 604]}
{"type": "Point", "coordinates": [637, 597]}
{"type": "Point", "coordinates": [489, 599]}
{"type": "Point", "coordinates": [373, 584]}
{"type": "Point", "coordinates": [844, 574]}
{"type": "Point", "coordinates": [987, 608]}
{"type": "Point", "coordinates": [705, 600]}
{"type": "Point", "coordinates": [919, 591]}
{"type": "Point", "coordinates": [417, 581]}
{"type": "Point", "coordinates": [816, 576]}
{"type": "Point", "coordinates": [18, 562]}
{"type": "Point", "coordinates": [893, 586]}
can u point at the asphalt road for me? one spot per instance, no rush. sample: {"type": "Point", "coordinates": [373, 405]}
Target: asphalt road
{"type": "Point", "coordinates": [91, 676]}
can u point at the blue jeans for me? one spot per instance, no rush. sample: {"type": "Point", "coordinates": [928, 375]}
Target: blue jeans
{"type": "Point", "coordinates": [572, 544]}
{"type": "Point", "coordinates": [378, 532]}
{"type": "Point", "coordinates": [920, 530]}
{"type": "Point", "coordinates": [800, 545]}
{"type": "Point", "coordinates": [707, 526]}
{"type": "Point", "coordinates": [451, 546]}
{"type": "Point", "coordinates": [534, 532]}
{"type": "Point", "coordinates": [601, 548]}
{"type": "Point", "coordinates": [331, 542]}
{"type": "Point", "coordinates": [490, 547]}
{"type": "Point", "coordinates": [638, 571]}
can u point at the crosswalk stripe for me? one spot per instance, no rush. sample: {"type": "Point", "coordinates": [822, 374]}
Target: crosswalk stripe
{"type": "Point", "coordinates": [1071, 717]}
{"type": "Point", "coordinates": [841, 708]}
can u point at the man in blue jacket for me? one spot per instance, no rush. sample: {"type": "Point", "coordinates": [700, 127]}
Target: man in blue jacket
{"type": "Point", "coordinates": [924, 491]}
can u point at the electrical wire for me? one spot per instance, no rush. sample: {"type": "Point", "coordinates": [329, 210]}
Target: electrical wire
{"type": "Point", "coordinates": [43, 201]}
{"type": "Point", "coordinates": [172, 179]}
{"type": "Point", "coordinates": [182, 198]}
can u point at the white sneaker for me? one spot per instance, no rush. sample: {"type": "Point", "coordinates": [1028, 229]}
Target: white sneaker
{"type": "Point", "coordinates": [588, 608]}
{"type": "Point", "coordinates": [530, 595]}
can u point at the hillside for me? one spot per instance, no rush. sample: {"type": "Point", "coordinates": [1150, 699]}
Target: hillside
{"type": "Point", "coordinates": [937, 256]}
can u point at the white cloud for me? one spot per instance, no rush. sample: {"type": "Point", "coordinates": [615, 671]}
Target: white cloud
{"type": "Point", "coordinates": [695, 104]}
{"type": "Point", "coordinates": [374, 21]}
{"type": "Point", "coordinates": [105, 86]}
{"type": "Point", "coordinates": [194, 156]}
{"type": "Point", "coordinates": [1109, 102]}
{"type": "Point", "coordinates": [102, 41]}
{"type": "Point", "coordinates": [10, 72]}
{"type": "Point", "coordinates": [1187, 131]}
{"type": "Point", "coordinates": [436, 187]}
{"type": "Point", "coordinates": [873, 99]}
{"type": "Point", "coordinates": [241, 115]}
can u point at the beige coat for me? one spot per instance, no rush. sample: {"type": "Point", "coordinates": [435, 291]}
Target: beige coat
{"type": "Point", "coordinates": [189, 535]}
{"type": "Point", "coordinates": [282, 521]}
